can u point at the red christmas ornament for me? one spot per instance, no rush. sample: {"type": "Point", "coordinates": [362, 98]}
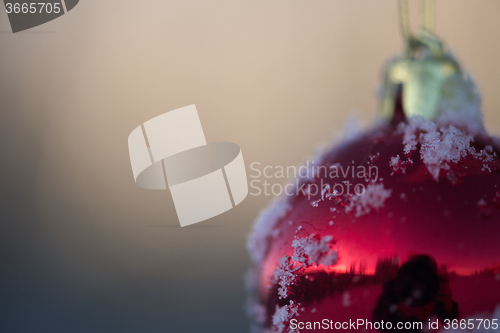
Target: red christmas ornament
{"type": "Point", "coordinates": [399, 224]}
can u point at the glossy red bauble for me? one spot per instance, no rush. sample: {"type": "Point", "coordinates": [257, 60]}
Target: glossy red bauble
{"type": "Point", "coordinates": [404, 226]}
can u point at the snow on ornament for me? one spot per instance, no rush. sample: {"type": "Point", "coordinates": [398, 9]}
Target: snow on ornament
{"type": "Point", "coordinates": [421, 240]}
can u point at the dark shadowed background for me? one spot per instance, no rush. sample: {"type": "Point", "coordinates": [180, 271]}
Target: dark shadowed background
{"type": "Point", "coordinates": [82, 248]}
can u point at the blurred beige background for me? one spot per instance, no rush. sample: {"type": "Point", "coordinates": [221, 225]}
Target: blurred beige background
{"type": "Point", "coordinates": [82, 248]}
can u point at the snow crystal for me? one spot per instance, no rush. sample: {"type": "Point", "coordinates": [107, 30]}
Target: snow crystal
{"type": "Point", "coordinates": [264, 227]}
{"type": "Point", "coordinates": [398, 165]}
{"type": "Point", "coordinates": [374, 157]}
{"type": "Point", "coordinates": [438, 148]}
{"type": "Point", "coordinates": [439, 145]}
{"type": "Point", "coordinates": [314, 250]}
{"type": "Point", "coordinates": [283, 314]}
{"type": "Point", "coordinates": [286, 275]}
{"type": "Point", "coordinates": [411, 130]}
{"type": "Point", "coordinates": [326, 193]}
{"type": "Point", "coordinates": [308, 251]}
{"type": "Point", "coordinates": [486, 156]}
{"type": "Point", "coordinates": [373, 198]}
{"type": "Point", "coordinates": [394, 161]}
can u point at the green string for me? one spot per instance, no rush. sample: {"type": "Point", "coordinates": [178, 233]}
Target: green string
{"type": "Point", "coordinates": [427, 17]}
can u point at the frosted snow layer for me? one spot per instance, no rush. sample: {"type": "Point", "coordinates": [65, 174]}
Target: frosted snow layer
{"type": "Point", "coordinates": [440, 145]}
{"type": "Point", "coordinates": [373, 198]}
{"type": "Point", "coordinates": [286, 275]}
{"type": "Point", "coordinates": [283, 315]}
{"type": "Point", "coordinates": [265, 227]}
{"type": "Point", "coordinates": [255, 310]}
{"type": "Point", "coordinates": [314, 250]}
{"type": "Point", "coordinates": [448, 139]}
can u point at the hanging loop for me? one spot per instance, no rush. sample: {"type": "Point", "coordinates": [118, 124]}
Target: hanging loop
{"type": "Point", "coordinates": [425, 75]}
{"type": "Point", "coordinates": [427, 17]}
